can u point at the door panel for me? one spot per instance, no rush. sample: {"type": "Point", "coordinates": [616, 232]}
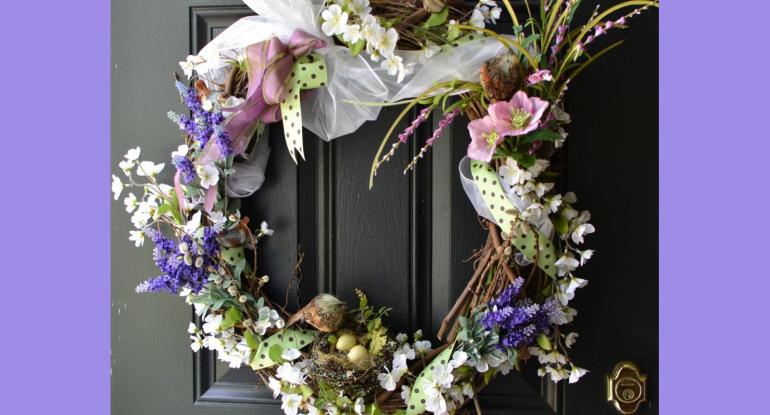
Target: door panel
{"type": "Point", "coordinates": [405, 242]}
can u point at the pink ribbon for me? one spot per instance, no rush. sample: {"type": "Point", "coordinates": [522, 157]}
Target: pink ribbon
{"type": "Point", "coordinates": [270, 64]}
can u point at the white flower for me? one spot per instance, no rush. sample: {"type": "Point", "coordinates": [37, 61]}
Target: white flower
{"type": "Point", "coordinates": [567, 289]}
{"type": "Point", "coordinates": [334, 20]}
{"type": "Point", "coordinates": [137, 237]}
{"type": "Point", "coordinates": [149, 169]}
{"type": "Point", "coordinates": [570, 197]}
{"type": "Point", "coordinates": [133, 154]}
{"type": "Point", "coordinates": [422, 347]}
{"type": "Point", "coordinates": [468, 390]}
{"type": "Point", "coordinates": [511, 174]}
{"type": "Point", "coordinates": [387, 42]}
{"type": "Point", "coordinates": [192, 328]}
{"type": "Point", "coordinates": [477, 19]}
{"type": "Point", "coordinates": [570, 339]}
{"type": "Point", "coordinates": [130, 202]}
{"type": "Point", "coordinates": [189, 64]}
{"type": "Point", "coordinates": [370, 29]}
{"type": "Point", "coordinates": [399, 367]}
{"type": "Point", "coordinates": [181, 151]}
{"type": "Point", "coordinates": [196, 344]}
{"type": "Point", "coordinates": [209, 175]}
{"type": "Point", "coordinates": [552, 356]}
{"type": "Point", "coordinates": [567, 263]}
{"type": "Point", "coordinates": [435, 400]}
{"type": "Point", "coordinates": [117, 186]}
{"type": "Point", "coordinates": [387, 381]}
{"type": "Point", "coordinates": [274, 385]}
{"type": "Point", "coordinates": [401, 338]}
{"type": "Point", "coordinates": [352, 34]}
{"type": "Point", "coordinates": [580, 231]}
{"type": "Point", "coordinates": [557, 373]}
{"type": "Point", "coordinates": [576, 373]}
{"type": "Point", "coordinates": [428, 51]}
{"type": "Point", "coordinates": [542, 188]}
{"type": "Point", "coordinates": [290, 354]}
{"type": "Point", "coordinates": [290, 373]}
{"type": "Point", "coordinates": [585, 256]}
{"type": "Point", "coordinates": [442, 375]}
{"type": "Point", "coordinates": [360, 7]}
{"type": "Point", "coordinates": [405, 350]}
{"type": "Point", "coordinates": [264, 229]}
{"type": "Point", "coordinates": [553, 203]}
{"type": "Point", "coordinates": [458, 359]}
{"type": "Point", "coordinates": [218, 219]}
{"type": "Point", "coordinates": [406, 392]}
{"type": "Point", "coordinates": [395, 66]}
{"type": "Point", "coordinates": [193, 224]}
{"type": "Point", "coordinates": [358, 406]}
{"type": "Point", "coordinates": [212, 323]}
{"type": "Point", "coordinates": [126, 166]}
{"type": "Point", "coordinates": [142, 215]}
{"type": "Point", "coordinates": [290, 403]}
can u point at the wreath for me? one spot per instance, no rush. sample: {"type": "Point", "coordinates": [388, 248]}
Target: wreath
{"type": "Point", "coordinates": [329, 67]}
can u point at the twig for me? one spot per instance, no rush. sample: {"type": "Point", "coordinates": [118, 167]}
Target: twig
{"type": "Point", "coordinates": [496, 241]}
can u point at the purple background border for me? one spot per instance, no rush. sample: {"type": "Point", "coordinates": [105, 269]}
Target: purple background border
{"type": "Point", "coordinates": [55, 340]}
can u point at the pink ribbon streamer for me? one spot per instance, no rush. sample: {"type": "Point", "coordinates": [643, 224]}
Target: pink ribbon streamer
{"type": "Point", "coordinates": [270, 63]}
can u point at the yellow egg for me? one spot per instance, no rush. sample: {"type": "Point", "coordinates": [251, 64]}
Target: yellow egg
{"type": "Point", "coordinates": [346, 342]}
{"type": "Point", "coordinates": [357, 353]}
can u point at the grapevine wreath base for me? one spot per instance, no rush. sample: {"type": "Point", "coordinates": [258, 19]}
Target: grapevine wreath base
{"type": "Point", "coordinates": [328, 67]}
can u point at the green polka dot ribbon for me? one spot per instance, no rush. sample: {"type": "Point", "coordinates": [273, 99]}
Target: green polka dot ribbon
{"type": "Point", "coordinates": [308, 72]}
{"type": "Point", "coordinates": [528, 241]}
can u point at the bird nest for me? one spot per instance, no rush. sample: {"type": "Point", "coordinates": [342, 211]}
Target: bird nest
{"type": "Point", "coordinates": [331, 369]}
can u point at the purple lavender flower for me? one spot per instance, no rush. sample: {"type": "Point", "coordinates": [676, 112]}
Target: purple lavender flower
{"type": "Point", "coordinates": [186, 168]}
{"type": "Point", "coordinates": [518, 322]}
{"type": "Point", "coordinates": [183, 265]}
{"type": "Point", "coordinates": [202, 124]}
{"type": "Point", "coordinates": [442, 125]}
{"type": "Point", "coordinates": [404, 136]}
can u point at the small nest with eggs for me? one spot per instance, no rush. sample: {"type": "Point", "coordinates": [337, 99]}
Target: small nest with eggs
{"type": "Point", "coordinates": [356, 380]}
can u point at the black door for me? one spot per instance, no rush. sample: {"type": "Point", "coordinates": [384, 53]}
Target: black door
{"type": "Point", "coordinates": [405, 243]}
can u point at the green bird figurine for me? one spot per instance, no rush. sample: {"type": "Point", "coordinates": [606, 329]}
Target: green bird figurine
{"type": "Point", "coordinates": [325, 312]}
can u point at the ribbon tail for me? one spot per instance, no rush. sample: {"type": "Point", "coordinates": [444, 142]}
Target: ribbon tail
{"type": "Point", "coordinates": [179, 193]}
{"type": "Point", "coordinates": [211, 198]}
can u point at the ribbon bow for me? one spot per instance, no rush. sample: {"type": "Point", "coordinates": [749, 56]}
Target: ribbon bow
{"type": "Point", "coordinates": [277, 72]}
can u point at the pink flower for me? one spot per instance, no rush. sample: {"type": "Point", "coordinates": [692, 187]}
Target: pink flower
{"type": "Point", "coordinates": [540, 76]}
{"type": "Point", "coordinates": [518, 116]}
{"type": "Point", "coordinates": [484, 139]}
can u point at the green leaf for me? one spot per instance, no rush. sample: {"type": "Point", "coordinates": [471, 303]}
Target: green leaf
{"type": "Point", "coordinates": [239, 269]}
{"type": "Point", "coordinates": [560, 224]}
{"type": "Point", "coordinates": [543, 134]}
{"type": "Point", "coordinates": [357, 47]}
{"type": "Point", "coordinates": [416, 404]}
{"type": "Point", "coordinates": [251, 339]}
{"type": "Point", "coordinates": [488, 375]}
{"type": "Point", "coordinates": [524, 160]}
{"type": "Point", "coordinates": [286, 339]}
{"type": "Point", "coordinates": [437, 19]}
{"type": "Point", "coordinates": [543, 342]}
{"type": "Point", "coordinates": [307, 392]}
{"type": "Point", "coordinates": [232, 316]}
{"type": "Point", "coordinates": [275, 353]}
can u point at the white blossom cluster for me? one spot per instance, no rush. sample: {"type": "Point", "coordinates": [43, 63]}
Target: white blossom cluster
{"type": "Point", "coordinates": [485, 12]}
{"type": "Point", "coordinates": [231, 347]}
{"type": "Point", "coordinates": [143, 209]}
{"type": "Point", "coordinates": [555, 364]}
{"type": "Point", "coordinates": [352, 22]}
{"type": "Point", "coordinates": [445, 392]}
{"type": "Point", "coordinates": [544, 209]}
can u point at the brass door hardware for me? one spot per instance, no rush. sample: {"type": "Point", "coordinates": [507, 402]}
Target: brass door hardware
{"type": "Point", "coordinates": [626, 388]}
